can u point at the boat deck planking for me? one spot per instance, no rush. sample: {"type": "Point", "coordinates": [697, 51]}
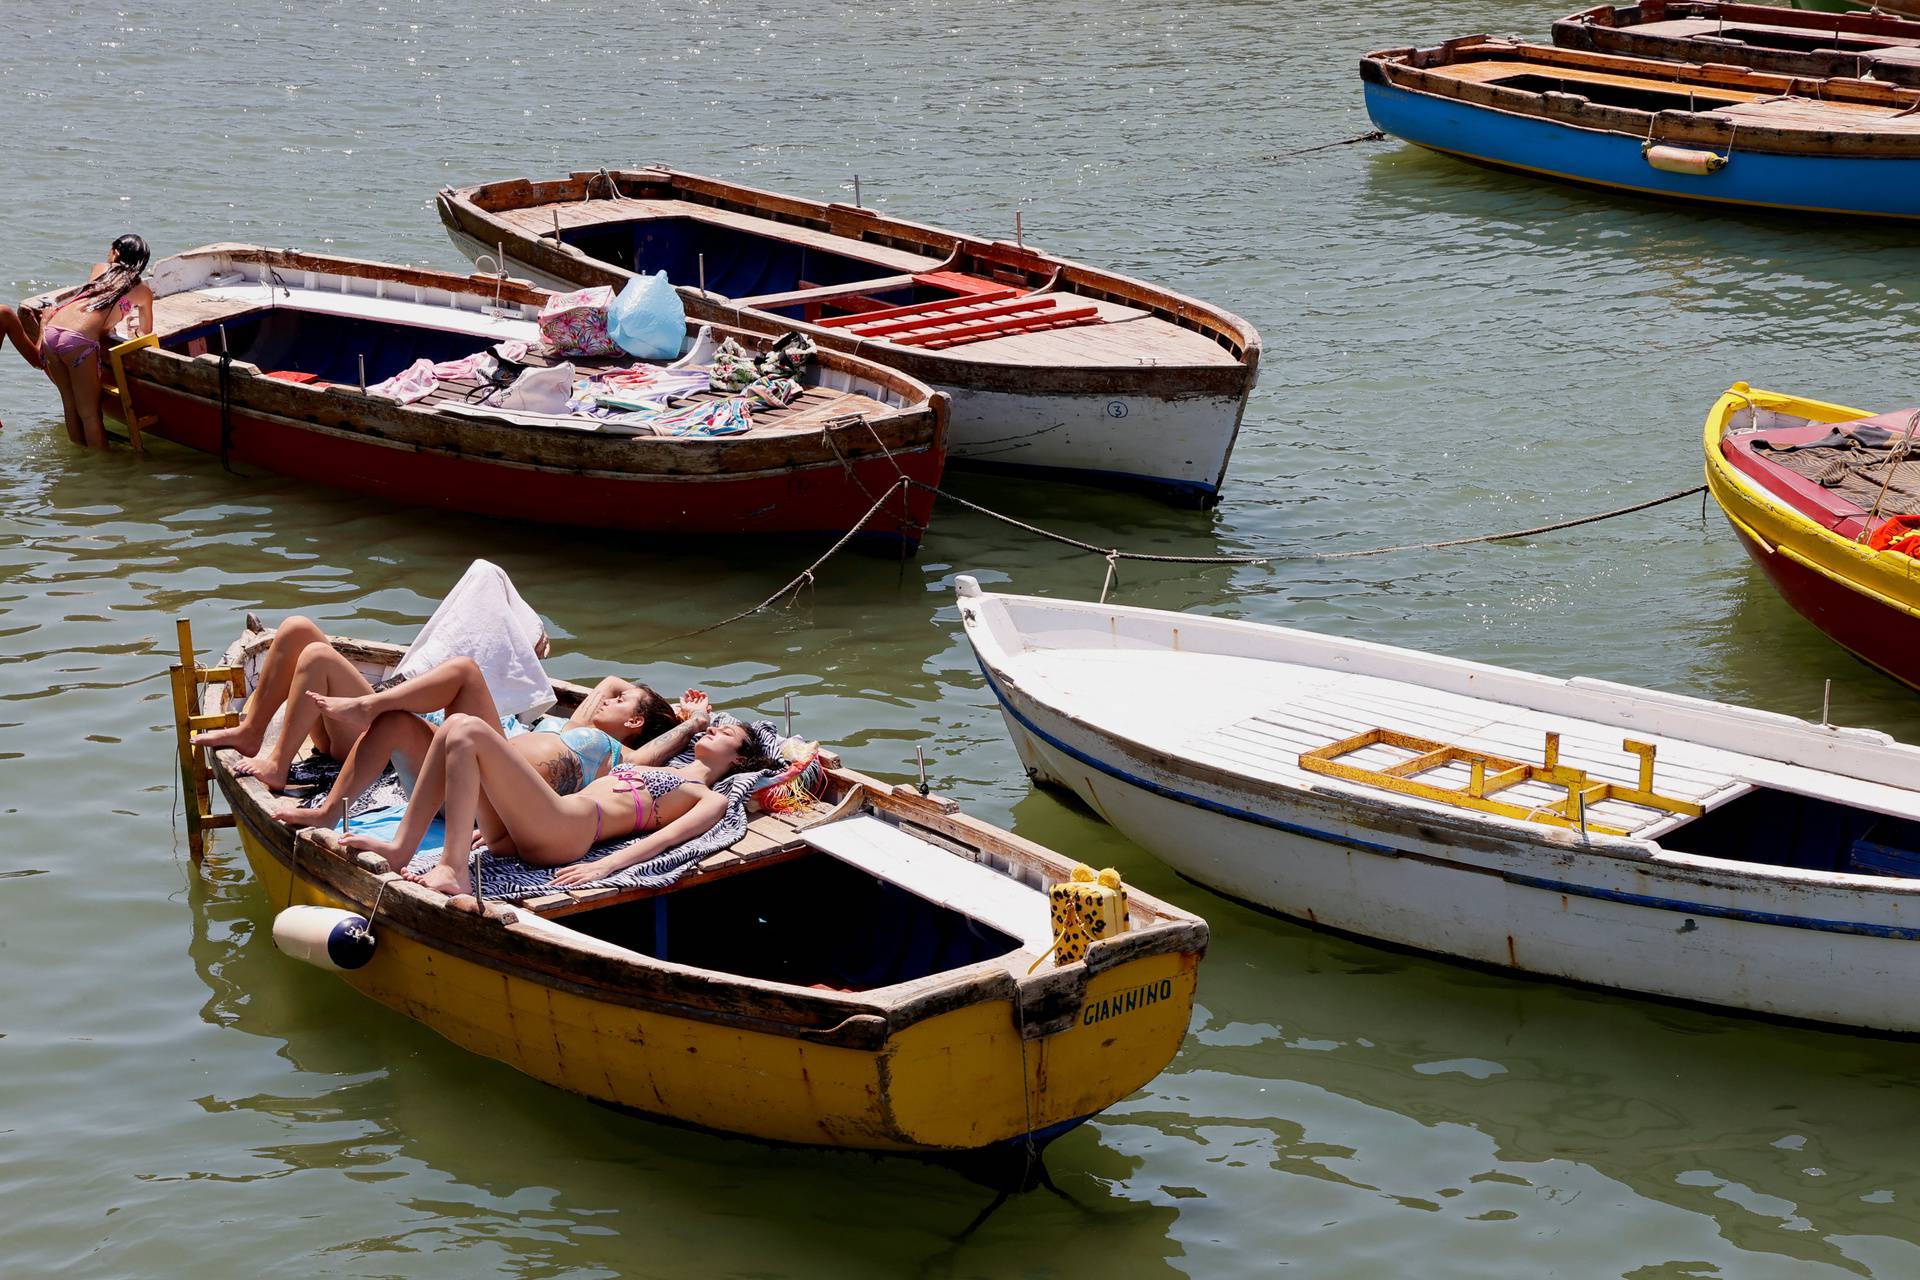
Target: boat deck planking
{"type": "Point", "coordinates": [196, 308]}
{"type": "Point", "coordinates": [770, 838]}
{"type": "Point", "coordinates": [538, 220]}
{"type": "Point", "coordinates": [1126, 336]}
{"type": "Point", "coordinates": [1713, 29]}
{"type": "Point", "coordinates": [1200, 702]}
{"type": "Point", "coordinates": [1754, 107]}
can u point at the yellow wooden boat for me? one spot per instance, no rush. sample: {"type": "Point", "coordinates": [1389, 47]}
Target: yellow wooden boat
{"type": "Point", "coordinates": [1809, 515]}
{"type": "Point", "coordinates": [952, 1045]}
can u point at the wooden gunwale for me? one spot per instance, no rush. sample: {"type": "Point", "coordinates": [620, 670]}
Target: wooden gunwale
{"type": "Point", "coordinates": [475, 211]}
{"type": "Point", "coordinates": [916, 426]}
{"type": "Point", "coordinates": [1847, 562]}
{"type": "Point", "coordinates": [599, 971]}
{"type": "Point", "coordinates": [1887, 47]}
{"type": "Point", "coordinates": [1445, 71]}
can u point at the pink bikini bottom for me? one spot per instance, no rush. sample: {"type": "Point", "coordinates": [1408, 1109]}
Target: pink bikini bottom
{"type": "Point", "coordinates": [69, 347]}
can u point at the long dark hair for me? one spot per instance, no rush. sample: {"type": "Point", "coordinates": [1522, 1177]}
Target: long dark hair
{"type": "Point", "coordinates": [128, 257]}
{"type": "Point", "coordinates": [656, 717]}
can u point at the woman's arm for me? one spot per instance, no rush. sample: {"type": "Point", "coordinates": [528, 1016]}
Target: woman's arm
{"type": "Point", "coordinates": [698, 714]}
{"type": "Point", "coordinates": [708, 808]}
{"type": "Point", "coordinates": [141, 322]}
{"type": "Point", "coordinates": [590, 705]}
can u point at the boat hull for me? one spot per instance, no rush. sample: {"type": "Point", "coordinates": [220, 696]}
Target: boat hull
{"type": "Point", "coordinates": [1851, 185]}
{"type": "Point", "coordinates": [1865, 601]}
{"type": "Point", "coordinates": [1166, 432]}
{"type": "Point", "coordinates": [1719, 938]}
{"type": "Point", "coordinates": [947, 1084]}
{"type": "Point", "coordinates": [820, 501]}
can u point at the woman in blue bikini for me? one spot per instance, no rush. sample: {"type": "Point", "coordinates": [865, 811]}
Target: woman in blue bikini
{"type": "Point", "coordinates": [73, 326]}
{"type": "Point", "coordinates": [619, 722]}
{"type": "Point", "coordinates": [470, 765]}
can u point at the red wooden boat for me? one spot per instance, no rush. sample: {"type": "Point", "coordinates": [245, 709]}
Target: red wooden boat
{"type": "Point", "coordinates": [1826, 499]}
{"type": "Point", "coordinates": [303, 335]}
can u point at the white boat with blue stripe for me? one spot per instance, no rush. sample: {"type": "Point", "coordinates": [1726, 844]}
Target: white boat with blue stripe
{"type": "Point", "coordinates": [1573, 829]}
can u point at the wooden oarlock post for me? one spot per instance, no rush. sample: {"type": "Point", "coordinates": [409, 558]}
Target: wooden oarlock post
{"type": "Point", "coordinates": [195, 775]}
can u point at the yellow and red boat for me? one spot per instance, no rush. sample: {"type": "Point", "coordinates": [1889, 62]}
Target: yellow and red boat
{"type": "Point", "coordinates": [1826, 499]}
{"type": "Point", "coordinates": [868, 971]}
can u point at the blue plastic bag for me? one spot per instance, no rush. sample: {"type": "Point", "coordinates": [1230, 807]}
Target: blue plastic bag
{"type": "Point", "coordinates": [647, 319]}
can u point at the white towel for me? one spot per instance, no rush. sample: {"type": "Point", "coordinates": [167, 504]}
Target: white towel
{"type": "Point", "coordinates": [485, 619]}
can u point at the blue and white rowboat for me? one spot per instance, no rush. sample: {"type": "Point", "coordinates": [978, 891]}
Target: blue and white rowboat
{"type": "Point", "coordinates": [1714, 854]}
{"type": "Point", "coordinates": [1723, 134]}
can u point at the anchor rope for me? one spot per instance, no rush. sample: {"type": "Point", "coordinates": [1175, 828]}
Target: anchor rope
{"type": "Point", "coordinates": [1371, 135]}
{"type": "Point", "coordinates": [1113, 555]}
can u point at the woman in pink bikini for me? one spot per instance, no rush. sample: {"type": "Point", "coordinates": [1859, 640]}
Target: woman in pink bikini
{"type": "Point", "coordinates": [73, 326]}
{"type": "Point", "coordinates": [469, 759]}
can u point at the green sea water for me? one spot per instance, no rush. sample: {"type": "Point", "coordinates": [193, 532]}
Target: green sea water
{"type": "Point", "coordinates": [1448, 351]}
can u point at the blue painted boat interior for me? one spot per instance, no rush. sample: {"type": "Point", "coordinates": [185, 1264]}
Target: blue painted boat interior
{"type": "Point", "coordinates": [329, 347]}
{"type": "Point", "coordinates": [739, 263]}
{"type": "Point", "coordinates": [814, 921]}
{"type": "Point", "coordinates": [1780, 829]}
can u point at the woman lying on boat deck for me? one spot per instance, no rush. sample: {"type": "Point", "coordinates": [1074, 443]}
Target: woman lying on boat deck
{"type": "Point", "coordinates": [469, 763]}
{"type": "Point", "coordinates": [399, 722]}
{"type": "Point", "coordinates": [73, 326]}
{"type": "Point", "coordinates": [300, 662]}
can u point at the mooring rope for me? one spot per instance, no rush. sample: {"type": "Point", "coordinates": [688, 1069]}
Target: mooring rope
{"type": "Point", "coordinates": [1114, 555]}
{"type": "Point", "coordinates": [1371, 135]}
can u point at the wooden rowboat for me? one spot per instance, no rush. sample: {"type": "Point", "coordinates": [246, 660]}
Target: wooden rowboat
{"type": "Point", "coordinates": [1764, 37]}
{"type": "Point", "coordinates": [1905, 8]}
{"type": "Point", "coordinates": [1573, 829]}
{"type": "Point", "coordinates": [852, 974]}
{"type": "Point", "coordinates": [1808, 515]}
{"type": "Point", "coordinates": [304, 333]}
{"type": "Point", "coordinates": [1052, 366]}
{"type": "Point", "coordinates": [1719, 134]}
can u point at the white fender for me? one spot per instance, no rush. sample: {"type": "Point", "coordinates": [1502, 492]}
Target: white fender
{"type": "Point", "coordinates": [1683, 160]}
{"type": "Point", "coordinates": [325, 937]}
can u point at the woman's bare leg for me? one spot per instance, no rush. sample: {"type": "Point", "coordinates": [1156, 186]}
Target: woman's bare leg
{"type": "Point", "coordinates": [456, 687]}
{"type": "Point", "coordinates": [396, 733]}
{"type": "Point", "coordinates": [85, 378]}
{"type": "Point", "coordinates": [320, 667]}
{"type": "Point", "coordinates": [467, 757]}
{"type": "Point", "coordinates": [24, 331]}
{"type": "Point", "coordinates": [61, 378]}
{"type": "Point", "coordinates": [290, 639]}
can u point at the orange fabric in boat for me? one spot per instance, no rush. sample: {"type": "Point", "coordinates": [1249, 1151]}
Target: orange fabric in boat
{"type": "Point", "coordinates": [293, 375]}
{"type": "Point", "coordinates": [1898, 533]}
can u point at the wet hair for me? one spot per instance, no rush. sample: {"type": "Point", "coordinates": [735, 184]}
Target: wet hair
{"type": "Point", "coordinates": [113, 284]}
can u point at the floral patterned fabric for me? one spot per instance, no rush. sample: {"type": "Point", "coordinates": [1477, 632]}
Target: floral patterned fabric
{"type": "Point", "coordinates": [575, 324]}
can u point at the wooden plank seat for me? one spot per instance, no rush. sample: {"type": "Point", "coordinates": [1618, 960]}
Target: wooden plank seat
{"type": "Point", "coordinates": [952, 322]}
{"type": "Point", "coordinates": [827, 292]}
{"type": "Point", "coordinates": [771, 838]}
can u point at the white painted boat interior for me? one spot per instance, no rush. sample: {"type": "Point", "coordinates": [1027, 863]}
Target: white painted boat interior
{"type": "Point", "coordinates": [885, 851]}
{"type": "Point", "coordinates": [1247, 700]}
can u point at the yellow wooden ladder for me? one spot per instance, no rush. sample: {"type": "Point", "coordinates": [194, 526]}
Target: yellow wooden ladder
{"type": "Point", "coordinates": [1490, 774]}
{"type": "Point", "coordinates": [122, 390]}
{"type": "Point", "coordinates": [196, 774]}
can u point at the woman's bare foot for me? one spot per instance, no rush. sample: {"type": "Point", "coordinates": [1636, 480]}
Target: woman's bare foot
{"type": "Point", "coordinates": [237, 738]}
{"type": "Point", "coordinates": [444, 879]}
{"type": "Point", "coordinates": [345, 712]}
{"type": "Point", "coordinates": [295, 814]}
{"type": "Point", "coordinates": [396, 860]}
{"type": "Point", "coordinates": [270, 776]}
